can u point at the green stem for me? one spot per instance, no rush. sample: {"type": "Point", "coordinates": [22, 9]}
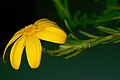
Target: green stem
{"type": "Point", "coordinates": [100, 40]}
{"type": "Point", "coordinates": [61, 7]}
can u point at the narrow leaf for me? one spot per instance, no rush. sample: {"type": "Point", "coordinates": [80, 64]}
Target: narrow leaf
{"type": "Point", "coordinates": [88, 34]}
{"type": "Point", "coordinates": [114, 40]}
{"type": "Point", "coordinates": [74, 54]}
{"type": "Point", "coordinates": [67, 51]}
{"type": "Point", "coordinates": [107, 30]}
{"type": "Point", "coordinates": [117, 41]}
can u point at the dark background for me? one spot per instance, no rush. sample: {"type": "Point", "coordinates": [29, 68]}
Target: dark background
{"type": "Point", "coordinates": [14, 15]}
{"type": "Point", "coordinates": [98, 63]}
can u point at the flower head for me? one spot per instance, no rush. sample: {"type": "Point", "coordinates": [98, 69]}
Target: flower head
{"type": "Point", "coordinates": [29, 38]}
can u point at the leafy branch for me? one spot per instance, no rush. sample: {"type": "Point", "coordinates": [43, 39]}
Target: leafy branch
{"type": "Point", "coordinates": [75, 45]}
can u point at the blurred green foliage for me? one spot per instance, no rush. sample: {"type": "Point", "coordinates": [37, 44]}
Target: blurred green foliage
{"type": "Point", "coordinates": [109, 14]}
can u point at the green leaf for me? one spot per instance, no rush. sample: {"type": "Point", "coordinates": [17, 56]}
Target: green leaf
{"type": "Point", "coordinates": [111, 41]}
{"type": "Point", "coordinates": [68, 51]}
{"type": "Point", "coordinates": [117, 41]}
{"type": "Point", "coordinates": [51, 52]}
{"type": "Point", "coordinates": [70, 30]}
{"type": "Point", "coordinates": [107, 30]}
{"type": "Point", "coordinates": [74, 54]}
{"type": "Point", "coordinates": [88, 34]}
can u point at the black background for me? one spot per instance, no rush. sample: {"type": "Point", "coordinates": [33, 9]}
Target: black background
{"type": "Point", "coordinates": [14, 15]}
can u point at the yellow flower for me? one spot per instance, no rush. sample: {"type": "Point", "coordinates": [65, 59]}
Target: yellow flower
{"type": "Point", "coordinates": [28, 38]}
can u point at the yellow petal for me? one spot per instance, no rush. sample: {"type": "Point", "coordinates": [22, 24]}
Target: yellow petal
{"type": "Point", "coordinates": [33, 51]}
{"type": "Point", "coordinates": [15, 37]}
{"type": "Point", "coordinates": [16, 52]}
{"type": "Point", "coordinates": [40, 20]}
{"type": "Point", "coordinates": [45, 23]}
{"type": "Point", "coordinates": [52, 34]}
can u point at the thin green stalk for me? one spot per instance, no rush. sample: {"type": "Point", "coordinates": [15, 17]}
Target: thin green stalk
{"type": "Point", "coordinates": [71, 32]}
{"type": "Point", "coordinates": [66, 5]}
{"type": "Point", "coordinates": [61, 7]}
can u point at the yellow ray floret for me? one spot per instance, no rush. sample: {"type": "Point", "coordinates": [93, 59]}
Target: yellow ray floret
{"type": "Point", "coordinates": [29, 38]}
{"type": "Point", "coordinates": [16, 52]}
{"type": "Point", "coordinates": [33, 45]}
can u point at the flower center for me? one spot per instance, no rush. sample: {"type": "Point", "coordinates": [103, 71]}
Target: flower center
{"type": "Point", "coordinates": [29, 30]}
